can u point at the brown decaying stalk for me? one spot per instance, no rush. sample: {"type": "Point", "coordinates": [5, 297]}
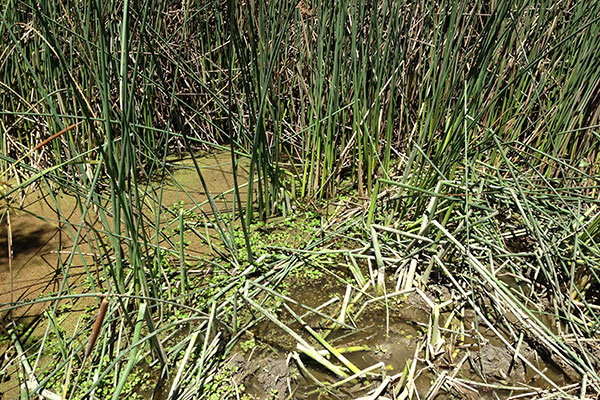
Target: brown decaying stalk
{"type": "Point", "coordinates": [55, 136]}
{"type": "Point", "coordinates": [97, 326]}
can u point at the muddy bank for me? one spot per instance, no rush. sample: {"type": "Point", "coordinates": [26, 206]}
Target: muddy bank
{"type": "Point", "coordinates": [425, 340]}
{"type": "Point", "coordinates": [389, 338]}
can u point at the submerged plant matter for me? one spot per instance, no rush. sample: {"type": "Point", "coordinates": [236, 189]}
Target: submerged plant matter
{"type": "Point", "coordinates": [382, 153]}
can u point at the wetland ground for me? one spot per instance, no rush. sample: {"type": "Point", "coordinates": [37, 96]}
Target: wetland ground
{"type": "Point", "coordinates": [332, 296]}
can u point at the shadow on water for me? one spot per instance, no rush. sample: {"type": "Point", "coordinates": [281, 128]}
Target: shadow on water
{"type": "Point", "coordinates": [27, 240]}
{"type": "Point", "coordinates": [38, 242]}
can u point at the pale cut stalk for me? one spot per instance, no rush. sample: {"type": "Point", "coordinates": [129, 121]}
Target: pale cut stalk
{"type": "Point", "coordinates": [182, 364]}
{"type": "Point", "coordinates": [315, 355]}
{"type": "Point", "coordinates": [342, 318]}
{"type": "Point", "coordinates": [31, 384]}
{"type": "Point", "coordinates": [376, 248]}
{"type": "Point", "coordinates": [437, 385]}
{"type": "Point", "coordinates": [583, 386]}
{"type": "Point", "coordinates": [207, 333]}
{"type": "Point", "coordinates": [323, 342]}
{"type": "Point", "coordinates": [363, 372]}
{"type": "Point", "coordinates": [380, 290]}
{"type": "Point", "coordinates": [371, 274]}
{"type": "Point", "coordinates": [409, 281]}
{"type": "Point", "coordinates": [406, 386]}
{"type": "Point", "coordinates": [356, 272]}
{"type": "Point", "coordinates": [303, 345]}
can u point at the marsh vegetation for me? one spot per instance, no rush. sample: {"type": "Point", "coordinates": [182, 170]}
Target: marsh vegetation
{"type": "Point", "coordinates": [299, 199]}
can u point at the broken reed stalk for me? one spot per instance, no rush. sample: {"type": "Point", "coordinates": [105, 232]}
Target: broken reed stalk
{"type": "Point", "coordinates": [38, 146]}
{"type": "Point", "coordinates": [57, 134]}
{"type": "Point", "coordinates": [190, 348]}
{"type": "Point", "coordinates": [31, 383]}
{"type": "Point", "coordinates": [323, 342]}
{"type": "Point", "coordinates": [526, 317]}
{"type": "Point", "coordinates": [303, 345]}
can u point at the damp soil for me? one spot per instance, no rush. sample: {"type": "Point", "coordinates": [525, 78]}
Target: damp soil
{"type": "Point", "coordinates": [388, 336]}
